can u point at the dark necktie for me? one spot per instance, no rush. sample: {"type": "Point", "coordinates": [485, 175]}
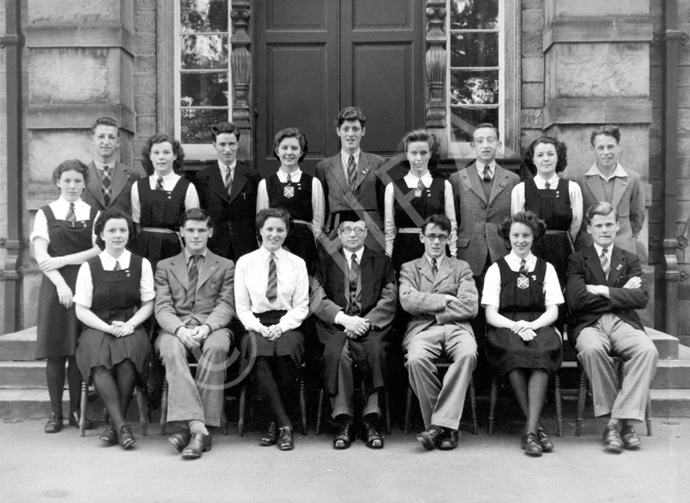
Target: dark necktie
{"type": "Point", "coordinates": [71, 215]}
{"type": "Point", "coordinates": [487, 174]}
{"type": "Point", "coordinates": [117, 266]}
{"type": "Point", "coordinates": [420, 189]}
{"type": "Point", "coordinates": [228, 181]}
{"type": "Point", "coordinates": [351, 171]}
{"type": "Point", "coordinates": [434, 267]}
{"type": "Point", "coordinates": [547, 185]}
{"type": "Point", "coordinates": [289, 179]}
{"type": "Point", "coordinates": [272, 285]}
{"type": "Point", "coordinates": [523, 267]}
{"type": "Point", "coordinates": [605, 262]}
{"type": "Point", "coordinates": [159, 184]}
{"type": "Point", "coordinates": [193, 274]}
{"type": "Point", "coordinates": [106, 184]}
{"type": "Point", "coordinates": [353, 277]}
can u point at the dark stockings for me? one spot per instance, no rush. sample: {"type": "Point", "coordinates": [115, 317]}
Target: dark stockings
{"type": "Point", "coordinates": [115, 388]}
{"type": "Point", "coordinates": [55, 377]}
{"type": "Point", "coordinates": [530, 390]}
{"type": "Point", "coordinates": [266, 385]}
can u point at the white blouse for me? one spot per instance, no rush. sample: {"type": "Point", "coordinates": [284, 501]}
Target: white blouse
{"type": "Point", "coordinates": [191, 198]}
{"type": "Point", "coordinates": [60, 208]}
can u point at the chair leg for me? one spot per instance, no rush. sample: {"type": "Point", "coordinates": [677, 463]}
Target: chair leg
{"type": "Point", "coordinates": [581, 397]}
{"type": "Point", "coordinates": [473, 405]}
{"type": "Point", "coordinates": [143, 410]}
{"type": "Point", "coordinates": [164, 407]}
{"type": "Point", "coordinates": [408, 406]}
{"type": "Point", "coordinates": [82, 412]}
{"type": "Point", "coordinates": [319, 412]}
{"type": "Point", "coordinates": [224, 419]}
{"type": "Point", "coordinates": [240, 419]}
{"type": "Point", "coordinates": [386, 400]}
{"type": "Point", "coordinates": [493, 397]}
{"type": "Point", "coordinates": [303, 404]}
{"type": "Point", "coordinates": [559, 402]}
{"type": "Point", "coordinates": [648, 416]}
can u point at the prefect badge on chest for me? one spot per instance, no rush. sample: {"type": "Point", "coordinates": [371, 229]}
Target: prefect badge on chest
{"type": "Point", "coordinates": [289, 191]}
{"type": "Point", "coordinates": [523, 282]}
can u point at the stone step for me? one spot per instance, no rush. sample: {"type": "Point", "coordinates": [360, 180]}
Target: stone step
{"type": "Point", "coordinates": [670, 403]}
{"type": "Point", "coordinates": [673, 374]}
{"type": "Point", "coordinates": [666, 345]}
{"type": "Point", "coordinates": [18, 346]}
{"type": "Point", "coordinates": [23, 374]}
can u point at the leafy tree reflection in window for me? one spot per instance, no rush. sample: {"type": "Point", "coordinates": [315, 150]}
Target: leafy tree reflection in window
{"type": "Point", "coordinates": [203, 59]}
{"type": "Point", "coordinates": [475, 46]}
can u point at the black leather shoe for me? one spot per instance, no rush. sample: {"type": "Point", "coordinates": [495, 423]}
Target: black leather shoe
{"type": "Point", "coordinates": [74, 420]}
{"type": "Point", "coordinates": [544, 441]}
{"type": "Point", "coordinates": [198, 444]}
{"type": "Point", "coordinates": [372, 437]}
{"type": "Point", "coordinates": [180, 439]}
{"type": "Point", "coordinates": [613, 442]}
{"type": "Point", "coordinates": [630, 439]}
{"type": "Point", "coordinates": [343, 439]}
{"type": "Point", "coordinates": [448, 441]}
{"type": "Point", "coordinates": [54, 424]}
{"type": "Point", "coordinates": [530, 443]}
{"type": "Point", "coordinates": [285, 439]}
{"type": "Point", "coordinates": [430, 436]}
{"type": "Point", "coordinates": [126, 437]}
{"type": "Point", "coordinates": [108, 435]}
{"type": "Point", "coordinates": [270, 437]}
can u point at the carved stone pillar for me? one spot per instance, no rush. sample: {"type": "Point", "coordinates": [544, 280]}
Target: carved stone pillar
{"type": "Point", "coordinates": [436, 64]}
{"type": "Point", "coordinates": [241, 61]}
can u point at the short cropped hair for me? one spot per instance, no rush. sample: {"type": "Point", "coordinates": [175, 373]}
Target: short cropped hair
{"type": "Point", "coordinates": [536, 225]}
{"type": "Point", "coordinates": [291, 132]}
{"type": "Point", "coordinates": [161, 138]}
{"type": "Point", "coordinates": [351, 114]}
{"type": "Point", "coordinates": [71, 165]}
{"type": "Point", "coordinates": [603, 208]}
{"type": "Point", "coordinates": [489, 126]}
{"type": "Point", "coordinates": [441, 221]}
{"type": "Point", "coordinates": [196, 214]}
{"type": "Point", "coordinates": [105, 121]}
{"type": "Point", "coordinates": [225, 128]}
{"type": "Point", "coordinates": [266, 213]}
{"type": "Point", "coordinates": [111, 214]}
{"type": "Point", "coordinates": [561, 152]}
{"type": "Point", "coordinates": [608, 130]}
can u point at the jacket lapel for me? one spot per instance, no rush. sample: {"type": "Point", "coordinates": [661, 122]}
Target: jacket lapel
{"type": "Point", "coordinates": [618, 265]}
{"type": "Point", "coordinates": [337, 172]}
{"type": "Point", "coordinates": [120, 178]}
{"type": "Point", "coordinates": [594, 265]}
{"type": "Point", "coordinates": [94, 186]}
{"type": "Point", "coordinates": [239, 180]}
{"type": "Point", "coordinates": [619, 186]}
{"type": "Point", "coordinates": [210, 266]}
{"type": "Point", "coordinates": [217, 183]}
{"type": "Point", "coordinates": [471, 180]}
{"type": "Point", "coordinates": [366, 273]}
{"type": "Point", "coordinates": [362, 170]}
{"type": "Point", "coordinates": [179, 270]}
{"type": "Point", "coordinates": [594, 184]}
{"type": "Point", "coordinates": [500, 183]}
{"type": "Point", "coordinates": [424, 268]}
{"type": "Point", "coordinates": [443, 272]}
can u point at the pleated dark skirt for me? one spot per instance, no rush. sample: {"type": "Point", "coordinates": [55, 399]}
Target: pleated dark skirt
{"type": "Point", "coordinates": [291, 343]}
{"type": "Point", "coordinates": [58, 327]}
{"type": "Point", "coordinates": [98, 349]}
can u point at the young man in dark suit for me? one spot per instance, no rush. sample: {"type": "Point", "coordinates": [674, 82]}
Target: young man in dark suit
{"type": "Point", "coordinates": [110, 181]}
{"type": "Point", "coordinates": [605, 286]}
{"type": "Point", "coordinates": [354, 297]}
{"type": "Point", "coordinates": [350, 181]}
{"type": "Point", "coordinates": [227, 191]}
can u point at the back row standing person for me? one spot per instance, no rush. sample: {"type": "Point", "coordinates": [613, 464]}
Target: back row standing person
{"type": "Point", "coordinates": [416, 196]}
{"type": "Point", "coordinates": [227, 190]}
{"type": "Point", "coordinates": [298, 193]}
{"type": "Point", "coordinates": [159, 200]}
{"type": "Point", "coordinates": [351, 181]}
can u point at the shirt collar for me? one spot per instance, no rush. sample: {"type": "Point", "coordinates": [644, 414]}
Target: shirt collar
{"type": "Point", "coordinates": [294, 177]}
{"type": "Point", "coordinates": [265, 254]}
{"type": "Point", "coordinates": [358, 254]}
{"type": "Point", "coordinates": [99, 165]}
{"type": "Point", "coordinates": [438, 260]}
{"type": "Point", "coordinates": [170, 176]}
{"type": "Point", "coordinates": [188, 256]}
{"type": "Point", "coordinates": [513, 260]}
{"type": "Point", "coordinates": [108, 260]}
{"type": "Point", "coordinates": [345, 157]}
{"type": "Point", "coordinates": [618, 172]}
{"type": "Point", "coordinates": [224, 167]}
{"type": "Point", "coordinates": [600, 248]}
{"type": "Point", "coordinates": [480, 168]}
{"type": "Point", "coordinates": [541, 182]}
{"type": "Point", "coordinates": [413, 179]}
{"type": "Point", "coordinates": [65, 203]}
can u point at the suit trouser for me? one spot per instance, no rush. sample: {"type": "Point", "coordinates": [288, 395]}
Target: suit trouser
{"type": "Point", "coordinates": [342, 402]}
{"type": "Point", "coordinates": [201, 400]}
{"type": "Point", "coordinates": [594, 345]}
{"type": "Point", "coordinates": [441, 403]}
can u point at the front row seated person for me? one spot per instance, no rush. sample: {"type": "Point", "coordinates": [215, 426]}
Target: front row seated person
{"type": "Point", "coordinates": [114, 296]}
{"type": "Point", "coordinates": [194, 306]}
{"type": "Point", "coordinates": [440, 295]}
{"type": "Point", "coordinates": [354, 298]}
{"type": "Point", "coordinates": [605, 286]}
{"type": "Point", "coordinates": [272, 301]}
{"type": "Point", "coordinates": [521, 296]}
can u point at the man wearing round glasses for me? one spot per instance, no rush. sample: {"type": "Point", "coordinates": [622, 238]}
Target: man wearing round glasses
{"type": "Point", "coordinates": [439, 293]}
{"type": "Point", "coordinates": [354, 297]}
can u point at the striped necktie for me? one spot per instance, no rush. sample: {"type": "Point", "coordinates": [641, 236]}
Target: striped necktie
{"type": "Point", "coordinates": [106, 184]}
{"type": "Point", "coordinates": [159, 183]}
{"type": "Point", "coordinates": [351, 171]}
{"type": "Point", "coordinates": [117, 266]}
{"type": "Point", "coordinates": [605, 262]}
{"type": "Point", "coordinates": [523, 267]}
{"type": "Point", "coordinates": [71, 215]}
{"type": "Point", "coordinates": [193, 275]}
{"type": "Point", "coordinates": [272, 285]}
{"type": "Point", "coordinates": [228, 181]}
{"type": "Point", "coordinates": [434, 267]}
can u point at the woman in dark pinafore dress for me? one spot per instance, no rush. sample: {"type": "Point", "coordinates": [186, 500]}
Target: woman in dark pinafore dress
{"type": "Point", "coordinates": [62, 240]}
{"type": "Point", "coordinates": [159, 200]}
{"type": "Point", "coordinates": [298, 193]}
{"type": "Point", "coordinates": [521, 298]}
{"type": "Point", "coordinates": [416, 196]}
{"type": "Point", "coordinates": [114, 297]}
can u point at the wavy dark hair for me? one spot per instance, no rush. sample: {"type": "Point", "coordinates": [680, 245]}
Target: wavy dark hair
{"type": "Point", "coordinates": [266, 213]}
{"type": "Point", "coordinates": [111, 214]}
{"type": "Point", "coordinates": [161, 138]}
{"type": "Point", "coordinates": [420, 135]}
{"type": "Point", "coordinates": [561, 152]}
{"type": "Point", "coordinates": [225, 127]}
{"type": "Point", "coordinates": [440, 221]}
{"type": "Point", "coordinates": [71, 165]}
{"type": "Point", "coordinates": [527, 218]}
{"type": "Point", "coordinates": [291, 132]}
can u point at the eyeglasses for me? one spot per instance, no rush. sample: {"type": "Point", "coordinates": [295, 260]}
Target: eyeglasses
{"type": "Point", "coordinates": [442, 238]}
{"type": "Point", "coordinates": [357, 230]}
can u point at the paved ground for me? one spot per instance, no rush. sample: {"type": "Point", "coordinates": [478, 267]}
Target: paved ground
{"type": "Point", "coordinates": [35, 467]}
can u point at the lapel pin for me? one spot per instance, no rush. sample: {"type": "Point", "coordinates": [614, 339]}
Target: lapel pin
{"type": "Point", "coordinates": [619, 267]}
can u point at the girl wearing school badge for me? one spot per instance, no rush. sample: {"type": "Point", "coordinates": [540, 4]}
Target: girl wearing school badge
{"type": "Point", "coordinates": [521, 297]}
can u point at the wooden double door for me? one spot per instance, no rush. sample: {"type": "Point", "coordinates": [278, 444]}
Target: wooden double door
{"type": "Point", "coordinates": [313, 57]}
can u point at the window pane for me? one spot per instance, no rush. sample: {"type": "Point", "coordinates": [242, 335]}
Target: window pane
{"type": "Point", "coordinates": [474, 49]}
{"type": "Point", "coordinates": [203, 16]}
{"type": "Point", "coordinates": [196, 123]}
{"type": "Point", "coordinates": [463, 121]}
{"type": "Point", "coordinates": [474, 14]}
{"type": "Point", "coordinates": [204, 51]}
{"type": "Point", "coordinates": [469, 87]}
{"type": "Point", "coordinates": [204, 89]}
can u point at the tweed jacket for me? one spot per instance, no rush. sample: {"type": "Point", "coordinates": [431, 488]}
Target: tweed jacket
{"type": "Point", "coordinates": [123, 178]}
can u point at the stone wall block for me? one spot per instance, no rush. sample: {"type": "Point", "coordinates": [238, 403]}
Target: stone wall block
{"type": "Point", "coordinates": [531, 118]}
{"type": "Point", "coordinates": [145, 21]}
{"type": "Point", "coordinates": [532, 69]}
{"type": "Point", "coordinates": [49, 148]}
{"type": "Point", "coordinates": [597, 8]}
{"type": "Point", "coordinates": [145, 104]}
{"type": "Point", "coordinates": [73, 12]}
{"type": "Point", "coordinates": [532, 45]}
{"type": "Point", "coordinates": [533, 20]}
{"type": "Point", "coordinates": [532, 4]}
{"type": "Point", "coordinates": [143, 5]}
{"type": "Point", "coordinates": [146, 126]}
{"type": "Point", "coordinates": [145, 84]}
{"type": "Point", "coordinates": [532, 95]}
{"type": "Point", "coordinates": [145, 63]}
{"type": "Point", "coordinates": [145, 43]}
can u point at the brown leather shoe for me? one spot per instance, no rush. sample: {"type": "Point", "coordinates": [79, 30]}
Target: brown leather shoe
{"type": "Point", "coordinates": [343, 439]}
{"type": "Point", "coordinates": [198, 444]}
{"type": "Point", "coordinates": [108, 435]}
{"type": "Point", "coordinates": [286, 441]}
{"type": "Point", "coordinates": [530, 443]}
{"type": "Point", "coordinates": [180, 439]}
{"type": "Point", "coordinates": [449, 441]}
{"type": "Point", "coordinates": [630, 439]}
{"type": "Point", "coordinates": [270, 437]}
{"type": "Point", "coordinates": [430, 436]}
{"type": "Point", "coordinates": [613, 442]}
{"type": "Point", "coordinates": [372, 437]}
{"type": "Point", "coordinates": [544, 441]}
{"type": "Point", "coordinates": [126, 437]}
{"type": "Point", "coordinates": [54, 424]}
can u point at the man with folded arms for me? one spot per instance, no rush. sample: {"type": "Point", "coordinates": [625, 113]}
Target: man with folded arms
{"type": "Point", "coordinates": [439, 293]}
{"type": "Point", "coordinates": [194, 305]}
{"type": "Point", "coordinates": [605, 286]}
